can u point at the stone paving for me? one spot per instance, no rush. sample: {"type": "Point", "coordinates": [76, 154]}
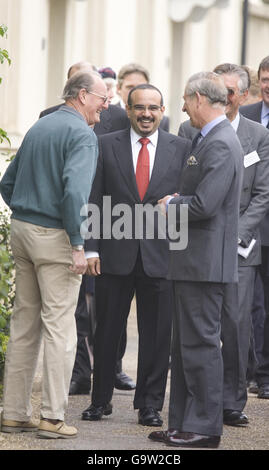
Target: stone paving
{"type": "Point", "coordinates": [120, 430]}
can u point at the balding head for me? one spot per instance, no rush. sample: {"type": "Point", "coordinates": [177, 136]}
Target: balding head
{"type": "Point", "coordinates": [79, 67]}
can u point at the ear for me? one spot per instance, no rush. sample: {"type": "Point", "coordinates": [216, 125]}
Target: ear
{"type": "Point", "coordinates": [243, 97]}
{"type": "Point", "coordinates": [128, 110]}
{"type": "Point", "coordinates": [82, 95]}
{"type": "Point", "coordinates": [199, 98]}
{"type": "Point", "coordinates": [118, 89]}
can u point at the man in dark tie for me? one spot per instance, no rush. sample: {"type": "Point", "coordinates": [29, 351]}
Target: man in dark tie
{"type": "Point", "coordinates": [260, 112]}
{"type": "Point", "coordinates": [238, 298]}
{"type": "Point", "coordinates": [210, 185]}
{"type": "Point", "coordinates": [135, 167]}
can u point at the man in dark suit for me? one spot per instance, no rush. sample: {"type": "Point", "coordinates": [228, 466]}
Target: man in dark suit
{"type": "Point", "coordinates": [135, 168]}
{"type": "Point", "coordinates": [210, 186]}
{"type": "Point", "coordinates": [129, 76]}
{"type": "Point", "coordinates": [111, 119]}
{"type": "Point", "coordinates": [259, 112]}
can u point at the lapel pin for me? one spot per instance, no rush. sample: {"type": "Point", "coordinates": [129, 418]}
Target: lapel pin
{"type": "Point", "coordinates": [192, 161]}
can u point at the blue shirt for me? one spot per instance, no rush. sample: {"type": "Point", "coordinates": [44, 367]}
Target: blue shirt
{"type": "Point", "coordinates": [209, 126]}
{"type": "Point", "coordinates": [265, 114]}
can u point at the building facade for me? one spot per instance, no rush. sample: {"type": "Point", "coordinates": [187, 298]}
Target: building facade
{"type": "Point", "coordinates": [171, 38]}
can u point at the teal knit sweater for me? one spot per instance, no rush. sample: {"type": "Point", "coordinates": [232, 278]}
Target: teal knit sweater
{"type": "Point", "coordinates": [51, 176]}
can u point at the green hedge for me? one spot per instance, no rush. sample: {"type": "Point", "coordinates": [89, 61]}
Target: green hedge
{"type": "Point", "coordinates": [7, 286]}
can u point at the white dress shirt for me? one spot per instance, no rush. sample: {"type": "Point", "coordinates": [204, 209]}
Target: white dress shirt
{"type": "Point", "coordinates": [136, 146]}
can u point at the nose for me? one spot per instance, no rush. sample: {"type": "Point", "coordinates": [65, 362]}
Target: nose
{"type": "Point", "coordinates": [146, 112]}
{"type": "Point", "coordinates": [184, 108]}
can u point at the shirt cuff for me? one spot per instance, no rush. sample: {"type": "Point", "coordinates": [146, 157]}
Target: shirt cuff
{"type": "Point", "coordinates": [168, 201]}
{"type": "Point", "coordinates": [91, 254]}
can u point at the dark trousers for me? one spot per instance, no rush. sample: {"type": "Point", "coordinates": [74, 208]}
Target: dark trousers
{"type": "Point", "coordinates": [154, 300]}
{"type": "Point", "coordinates": [262, 373]}
{"type": "Point", "coordinates": [235, 336]}
{"type": "Point", "coordinates": [196, 395]}
{"type": "Point", "coordinates": [257, 332]}
{"type": "Point", "coordinates": [86, 323]}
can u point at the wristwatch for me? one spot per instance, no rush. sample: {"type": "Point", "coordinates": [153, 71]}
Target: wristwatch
{"type": "Point", "coordinates": [78, 247]}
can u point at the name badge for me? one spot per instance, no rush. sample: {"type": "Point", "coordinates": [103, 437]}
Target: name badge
{"type": "Point", "coordinates": [251, 158]}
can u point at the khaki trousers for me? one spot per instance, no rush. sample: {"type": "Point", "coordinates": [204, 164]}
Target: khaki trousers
{"type": "Point", "coordinates": [46, 298]}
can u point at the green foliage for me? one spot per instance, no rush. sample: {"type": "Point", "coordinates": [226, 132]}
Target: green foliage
{"type": "Point", "coordinates": [7, 292]}
{"type": "Point", "coordinates": [3, 56]}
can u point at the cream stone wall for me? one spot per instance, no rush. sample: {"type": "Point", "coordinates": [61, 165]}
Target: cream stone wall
{"type": "Point", "coordinates": [46, 36]}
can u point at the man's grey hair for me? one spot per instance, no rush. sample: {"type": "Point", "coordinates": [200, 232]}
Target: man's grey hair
{"type": "Point", "coordinates": [77, 82]}
{"type": "Point", "coordinates": [233, 69]}
{"type": "Point", "coordinates": [210, 85]}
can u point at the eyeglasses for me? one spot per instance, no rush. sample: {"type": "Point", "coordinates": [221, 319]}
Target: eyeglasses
{"type": "Point", "coordinates": [104, 98]}
{"type": "Point", "coordinates": [152, 108]}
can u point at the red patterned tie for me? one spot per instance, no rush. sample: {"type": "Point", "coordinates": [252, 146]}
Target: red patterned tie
{"type": "Point", "coordinates": [142, 168]}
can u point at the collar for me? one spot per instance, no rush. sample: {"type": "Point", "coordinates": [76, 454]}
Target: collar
{"type": "Point", "coordinates": [207, 128]}
{"type": "Point", "coordinates": [265, 110]}
{"type": "Point", "coordinates": [72, 110]}
{"type": "Point", "coordinates": [235, 122]}
{"type": "Point", "coordinates": [135, 137]}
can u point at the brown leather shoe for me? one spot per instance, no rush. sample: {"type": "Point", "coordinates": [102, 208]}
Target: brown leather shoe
{"type": "Point", "coordinates": [161, 436]}
{"type": "Point", "coordinates": [190, 439]}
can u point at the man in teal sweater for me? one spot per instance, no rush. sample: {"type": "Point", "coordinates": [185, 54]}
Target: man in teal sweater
{"type": "Point", "coordinates": [45, 187]}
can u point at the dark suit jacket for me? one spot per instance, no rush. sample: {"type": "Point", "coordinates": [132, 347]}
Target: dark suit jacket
{"type": "Point", "coordinates": [211, 188]}
{"type": "Point", "coordinates": [115, 177]}
{"type": "Point", "coordinates": [253, 112]}
{"type": "Point", "coordinates": [254, 200]}
{"type": "Point", "coordinates": [111, 119]}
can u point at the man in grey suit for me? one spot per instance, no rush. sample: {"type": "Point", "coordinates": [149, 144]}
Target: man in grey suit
{"type": "Point", "coordinates": [254, 203]}
{"type": "Point", "coordinates": [236, 313]}
{"type": "Point", "coordinates": [259, 112]}
{"type": "Point", "coordinates": [210, 186]}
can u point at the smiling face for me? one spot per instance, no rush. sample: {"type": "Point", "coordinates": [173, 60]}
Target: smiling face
{"type": "Point", "coordinates": [94, 104]}
{"type": "Point", "coordinates": [264, 84]}
{"type": "Point", "coordinates": [190, 107]}
{"type": "Point", "coordinates": [145, 112]}
{"type": "Point", "coordinates": [235, 99]}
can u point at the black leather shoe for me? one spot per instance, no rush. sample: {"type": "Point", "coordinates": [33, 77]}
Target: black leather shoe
{"type": "Point", "coordinates": [263, 391]}
{"type": "Point", "coordinates": [253, 386]}
{"type": "Point", "coordinates": [124, 382]}
{"type": "Point", "coordinates": [79, 389]}
{"type": "Point", "coordinates": [190, 439]}
{"type": "Point", "coordinates": [234, 418]}
{"type": "Point", "coordinates": [95, 413]}
{"type": "Point", "coordinates": [148, 416]}
{"type": "Point", "coordinates": [161, 436]}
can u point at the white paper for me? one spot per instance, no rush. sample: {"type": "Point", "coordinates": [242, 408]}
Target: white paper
{"type": "Point", "coordinates": [245, 251]}
{"type": "Point", "coordinates": [251, 158]}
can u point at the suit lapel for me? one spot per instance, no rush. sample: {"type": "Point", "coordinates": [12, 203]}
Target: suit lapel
{"type": "Point", "coordinates": [164, 155]}
{"type": "Point", "coordinates": [123, 153]}
{"type": "Point", "coordinates": [243, 135]}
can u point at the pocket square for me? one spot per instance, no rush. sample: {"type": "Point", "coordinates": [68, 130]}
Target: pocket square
{"type": "Point", "coordinates": [192, 161]}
